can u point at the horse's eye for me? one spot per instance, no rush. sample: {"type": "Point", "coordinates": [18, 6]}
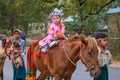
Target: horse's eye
{"type": "Point", "coordinates": [89, 53]}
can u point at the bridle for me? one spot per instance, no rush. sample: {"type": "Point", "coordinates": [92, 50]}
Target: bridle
{"type": "Point", "coordinates": [12, 50]}
{"type": "Point", "coordinates": [67, 54]}
{"type": "Point", "coordinates": [15, 52]}
{"type": "Point", "coordinates": [65, 51]}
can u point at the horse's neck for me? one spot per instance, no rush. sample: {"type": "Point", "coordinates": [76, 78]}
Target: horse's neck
{"type": "Point", "coordinates": [0, 44]}
{"type": "Point", "coordinates": [1, 48]}
{"type": "Point", "coordinates": [71, 52]}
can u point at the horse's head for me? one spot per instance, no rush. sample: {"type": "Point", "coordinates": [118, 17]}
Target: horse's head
{"type": "Point", "coordinates": [88, 53]}
{"type": "Point", "coordinates": [13, 51]}
{"type": "Point", "coordinates": [89, 56]}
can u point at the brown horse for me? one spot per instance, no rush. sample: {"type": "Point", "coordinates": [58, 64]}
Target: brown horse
{"type": "Point", "coordinates": [62, 59]}
{"type": "Point", "coordinates": [9, 49]}
{"type": "Point", "coordinates": [2, 60]}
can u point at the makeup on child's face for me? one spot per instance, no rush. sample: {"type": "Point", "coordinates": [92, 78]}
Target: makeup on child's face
{"type": "Point", "coordinates": [56, 19]}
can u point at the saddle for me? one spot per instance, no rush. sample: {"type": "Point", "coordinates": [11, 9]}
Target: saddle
{"type": "Point", "coordinates": [51, 45]}
{"type": "Point", "coordinates": [54, 43]}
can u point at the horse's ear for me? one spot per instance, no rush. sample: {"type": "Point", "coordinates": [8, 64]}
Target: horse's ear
{"type": "Point", "coordinates": [73, 38]}
{"type": "Point", "coordinates": [82, 38]}
{"type": "Point", "coordinates": [3, 42]}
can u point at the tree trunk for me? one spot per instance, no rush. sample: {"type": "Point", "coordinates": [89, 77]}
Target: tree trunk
{"type": "Point", "coordinates": [13, 24]}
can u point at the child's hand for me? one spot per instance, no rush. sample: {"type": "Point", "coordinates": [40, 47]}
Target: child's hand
{"type": "Point", "coordinates": [65, 37]}
{"type": "Point", "coordinates": [58, 31]}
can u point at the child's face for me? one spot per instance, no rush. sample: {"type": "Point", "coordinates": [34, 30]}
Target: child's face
{"type": "Point", "coordinates": [104, 41]}
{"type": "Point", "coordinates": [55, 19]}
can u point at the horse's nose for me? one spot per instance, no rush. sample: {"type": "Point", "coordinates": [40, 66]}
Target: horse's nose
{"type": "Point", "coordinates": [91, 68]}
{"type": "Point", "coordinates": [94, 72]}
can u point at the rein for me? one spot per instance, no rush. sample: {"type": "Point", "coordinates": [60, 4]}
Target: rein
{"type": "Point", "coordinates": [69, 57]}
{"type": "Point", "coordinates": [67, 54]}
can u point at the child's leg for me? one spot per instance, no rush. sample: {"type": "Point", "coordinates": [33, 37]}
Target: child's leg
{"type": "Point", "coordinates": [44, 48]}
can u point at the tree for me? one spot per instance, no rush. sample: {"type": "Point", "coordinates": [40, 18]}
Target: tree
{"type": "Point", "coordinates": [19, 13]}
{"type": "Point", "coordinates": [87, 13]}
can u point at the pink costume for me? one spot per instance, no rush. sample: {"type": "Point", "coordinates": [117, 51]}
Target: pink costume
{"type": "Point", "coordinates": [53, 28]}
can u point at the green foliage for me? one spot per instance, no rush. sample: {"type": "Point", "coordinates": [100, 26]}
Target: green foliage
{"type": "Point", "coordinates": [114, 48]}
{"type": "Point", "coordinates": [21, 13]}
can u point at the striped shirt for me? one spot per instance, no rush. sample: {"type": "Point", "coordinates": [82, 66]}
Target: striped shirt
{"type": "Point", "coordinates": [104, 58]}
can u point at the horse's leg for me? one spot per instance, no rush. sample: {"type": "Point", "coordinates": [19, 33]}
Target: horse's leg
{"type": "Point", "coordinates": [1, 75]}
{"type": "Point", "coordinates": [57, 77]}
{"type": "Point", "coordinates": [42, 76]}
{"type": "Point", "coordinates": [68, 78]}
{"type": "Point", "coordinates": [2, 60]}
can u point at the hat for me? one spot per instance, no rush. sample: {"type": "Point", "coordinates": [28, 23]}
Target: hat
{"type": "Point", "coordinates": [17, 30]}
{"type": "Point", "coordinates": [56, 12]}
{"type": "Point", "coordinates": [100, 35]}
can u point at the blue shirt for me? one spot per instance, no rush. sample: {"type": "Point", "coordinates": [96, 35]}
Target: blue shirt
{"type": "Point", "coordinates": [23, 47]}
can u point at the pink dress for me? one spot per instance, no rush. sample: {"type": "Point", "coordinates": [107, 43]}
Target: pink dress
{"type": "Point", "coordinates": [51, 32]}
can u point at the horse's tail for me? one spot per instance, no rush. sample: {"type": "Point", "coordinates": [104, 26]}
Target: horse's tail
{"type": "Point", "coordinates": [30, 61]}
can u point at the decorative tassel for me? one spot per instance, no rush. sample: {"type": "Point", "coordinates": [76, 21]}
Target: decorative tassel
{"type": "Point", "coordinates": [38, 54]}
{"type": "Point", "coordinates": [30, 78]}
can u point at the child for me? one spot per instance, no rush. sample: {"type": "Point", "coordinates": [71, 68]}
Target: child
{"type": "Point", "coordinates": [104, 55]}
{"type": "Point", "coordinates": [19, 73]}
{"type": "Point", "coordinates": [55, 31]}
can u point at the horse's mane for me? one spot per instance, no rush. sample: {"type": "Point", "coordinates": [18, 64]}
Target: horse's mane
{"type": "Point", "coordinates": [89, 41]}
{"type": "Point", "coordinates": [92, 43]}
{"type": "Point", "coordinates": [77, 38]}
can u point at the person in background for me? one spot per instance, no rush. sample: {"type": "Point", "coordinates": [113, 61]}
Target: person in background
{"type": "Point", "coordinates": [23, 35]}
{"type": "Point", "coordinates": [104, 56]}
{"type": "Point", "coordinates": [19, 73]}
{"type": "Point", "coordinates": [55, 31]}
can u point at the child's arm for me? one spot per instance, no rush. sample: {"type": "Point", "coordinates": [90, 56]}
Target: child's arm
{"type": "Point", "coordinates": [62, 29]}
{"type": "Point", "coordinates": [110, 58]}
{"type": "Point", "coordinates": [50, 30]}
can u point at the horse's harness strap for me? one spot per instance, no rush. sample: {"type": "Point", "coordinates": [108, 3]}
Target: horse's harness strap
{"type": "Point", "coordinates": [67, 54]}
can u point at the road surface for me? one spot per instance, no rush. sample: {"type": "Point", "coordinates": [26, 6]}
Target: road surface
{"type": "Point", "coordinates": [79, 74]}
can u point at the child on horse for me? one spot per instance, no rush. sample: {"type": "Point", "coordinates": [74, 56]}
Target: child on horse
{"type": "Point", "coordinates": [55, 31]}
{"type": "Point", "coordinates": [104, 56]}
